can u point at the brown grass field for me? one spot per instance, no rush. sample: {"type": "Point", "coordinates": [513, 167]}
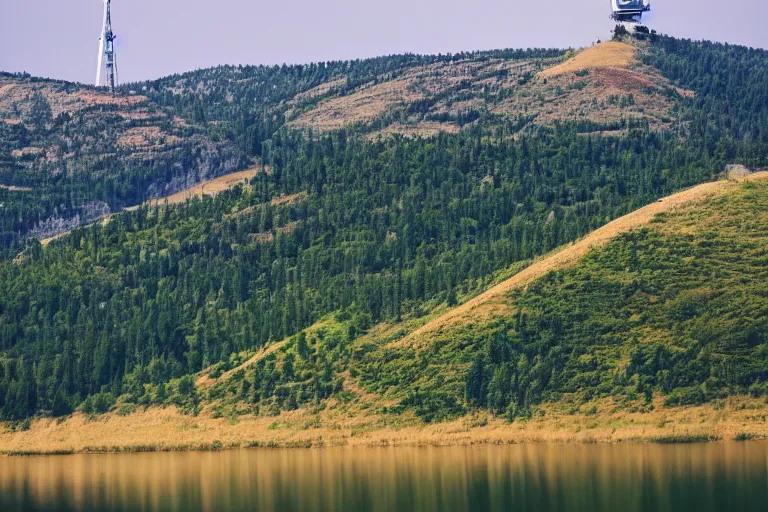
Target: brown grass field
{"type": "Point", "coordinates": [211, 187]}
{"type": "Point", "coordinates": [167, 429]}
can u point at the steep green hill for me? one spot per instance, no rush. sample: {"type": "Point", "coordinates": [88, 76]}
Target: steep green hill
{"type": "Point", "coordinates": [677, 309]}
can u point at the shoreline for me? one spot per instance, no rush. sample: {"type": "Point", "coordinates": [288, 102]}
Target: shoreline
{"type": "Point", "coordinates": [169, 430]}
{"type": "Point", "coordinates": [128, 450]}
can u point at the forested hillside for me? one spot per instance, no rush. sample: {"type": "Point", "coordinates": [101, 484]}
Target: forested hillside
{"type": "Point", "coordinates": [392, 187]}
{"type": "Point", "coordinates": [70, 154]}
{"type": "Point", "coordinates": [677, 309]}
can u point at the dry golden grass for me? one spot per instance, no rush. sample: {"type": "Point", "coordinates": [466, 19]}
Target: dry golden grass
{"type": "Point", "coordinates": [370, 101]}
{"type": "Point", "coordinates": [600, 97]}
{"type": "Point", "coordinates": [320, 89]}
{"type": "Point", "coordinates": [103, 219]}
{"type": "Point", "coordinates": [557, 94]}
{"type": "Point", "coordinates": [16, 91]}
{"type": "Point", "coordinates": [269, 236]}
{"type": "Point", "coordinates": [19, 153]}
{"type": "Point", "coordinates": [212, 187]}
{"type": "Point", "coordinates": [611, 54]}
{"type": "Point", "coordinates": [361, 106]}
{"type": "Point", "coordinates": [206, 380]}
{"type": "Point", "coordinates": [286, 200]}
{"type": "Point", "coordinates": [169, 429]}
{"type": "Point", "coordinates": [14, 188]}
{"type": "Point", "coordinates": [420, 129]}
{"type": "Point", "coordinates": [491, 301]}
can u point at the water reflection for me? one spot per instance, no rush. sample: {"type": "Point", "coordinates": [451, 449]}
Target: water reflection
{"type": "Point", "coordinates": [723, 476]}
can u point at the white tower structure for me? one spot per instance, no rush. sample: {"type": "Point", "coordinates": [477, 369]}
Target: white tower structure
{"type": "Point", "coordinates": [630, 11]}
{"type": "Point", "coordinates": [106, 72]}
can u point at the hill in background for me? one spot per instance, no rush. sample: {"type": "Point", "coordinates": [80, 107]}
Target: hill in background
{"type": "Point", "coordinates": [71, 154]}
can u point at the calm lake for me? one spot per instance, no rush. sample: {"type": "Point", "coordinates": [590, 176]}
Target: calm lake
{"type": "Point", "coordinates": [720, 476]}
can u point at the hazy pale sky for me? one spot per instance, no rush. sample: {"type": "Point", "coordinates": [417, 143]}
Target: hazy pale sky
{"type": "Point", "coordinates": [59, 38]}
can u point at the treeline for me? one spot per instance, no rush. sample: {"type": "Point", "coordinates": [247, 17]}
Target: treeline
{"type": "Point", "coordinates": [731, 100]}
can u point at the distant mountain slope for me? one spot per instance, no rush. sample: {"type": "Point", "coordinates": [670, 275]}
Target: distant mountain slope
{"type": "Point", "coordinates": [605, 86]}
{"type": "Point", "coordinates": [74, 153]}
{"type": "Point", "coordinates": [249, 104]}
{"type": "Point", "coordinates": [423, 95]}
{"type": "Point", "coordinates": [205, 123]}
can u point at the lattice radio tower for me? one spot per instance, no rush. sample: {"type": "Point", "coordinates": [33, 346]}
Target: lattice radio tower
{"type": "Point", "coordinates": [106, 73]}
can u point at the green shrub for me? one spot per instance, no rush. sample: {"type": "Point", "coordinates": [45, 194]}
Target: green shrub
{"type": "Point", "coordinates": [693, 395]}
{"type": "Point", "coordinates": [99, 403]}
{"type": "Point", "coordinates": [187, 385]}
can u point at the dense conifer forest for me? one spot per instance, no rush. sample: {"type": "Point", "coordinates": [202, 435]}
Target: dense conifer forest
{"type": "Point", "coordinates": [362, 230]}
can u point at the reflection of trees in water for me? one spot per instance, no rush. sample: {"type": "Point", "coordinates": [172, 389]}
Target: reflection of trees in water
{"type": "Point", "coordinates": [629, 477]}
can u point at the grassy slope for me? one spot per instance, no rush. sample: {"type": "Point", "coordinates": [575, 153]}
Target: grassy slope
{"type": "Point", "coordinates": [563, 258]}
{"type": "Point", "coordinates": [699, 269]}
{"type": "Point", "coordinates": [676, 309]}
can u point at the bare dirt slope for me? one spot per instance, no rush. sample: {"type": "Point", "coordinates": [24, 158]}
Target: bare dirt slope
{"type": "Point", "coordinates": [612, 54]}
{"type": "Point", "coordinates": [487, 302]}
{"type": "Point", "coordinates": [212, 187]}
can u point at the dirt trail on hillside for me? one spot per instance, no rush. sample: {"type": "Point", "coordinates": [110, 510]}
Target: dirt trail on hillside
{"type": "Point", "coordinates": [569, 255]}
{"type": "Point", "coordinates": [14, 188]}
{"type": "Point", "coordinates": [208, 381]}
{"type": "Point", "coordinates": [205, 379]}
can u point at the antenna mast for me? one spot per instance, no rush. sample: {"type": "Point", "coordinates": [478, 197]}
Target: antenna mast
{"type": "Point", "coordinates": [106, 72]}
